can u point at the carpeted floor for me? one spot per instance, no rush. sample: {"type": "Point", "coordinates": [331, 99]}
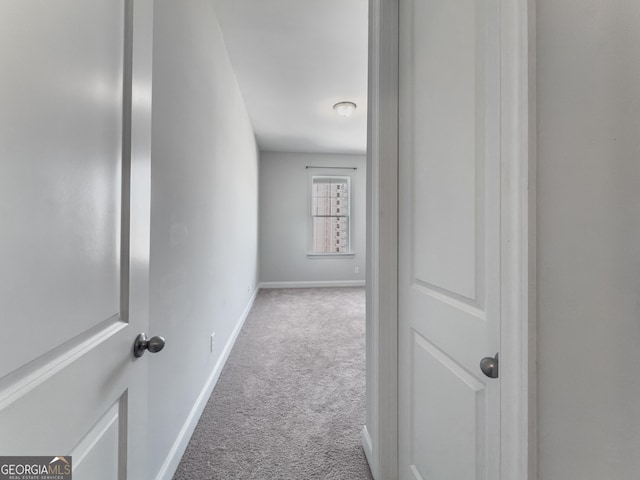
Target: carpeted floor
{"type": "Point", "coordinates": [290, 402]}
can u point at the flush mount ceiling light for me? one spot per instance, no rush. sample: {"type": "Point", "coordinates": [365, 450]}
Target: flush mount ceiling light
{"type": "Point", "coordinates": [345, 109]}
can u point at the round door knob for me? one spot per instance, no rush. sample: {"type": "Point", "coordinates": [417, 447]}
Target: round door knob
{"type": "Point", "coordinates": [489, 366]}
{"type": "Point", "coordinates": [142, 343]}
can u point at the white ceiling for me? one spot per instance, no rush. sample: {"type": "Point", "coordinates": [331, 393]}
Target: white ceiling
{"type": "Point", "coordinates": [294, 59]}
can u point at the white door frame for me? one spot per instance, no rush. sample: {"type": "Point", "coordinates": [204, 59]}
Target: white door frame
{"type": "Point", "coordinates": [517, 355]}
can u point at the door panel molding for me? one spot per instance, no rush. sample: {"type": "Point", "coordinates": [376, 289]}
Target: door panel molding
{"type": "Point", "coordinates": [452, 298]}
{"type": "Point", "coordinates": [469, 414]}
{"type": "Point", "coordinates": [29, 376]}
{"type": "Point", "coordinates": [457, 209]}
{"type": "Point", "coordinates": [100, 453]}
{"type": "Point", "coordinates": [468, 378]}
{"type": "Point", "coordinates": [125, 218]}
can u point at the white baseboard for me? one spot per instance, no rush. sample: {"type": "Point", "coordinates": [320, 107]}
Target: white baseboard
{"type": "Point", "coordinates": [320, 284]}
{"type": "Point", "coordinates": [180, 445]}
{"type": "Point", "coordinates": [367, 446]}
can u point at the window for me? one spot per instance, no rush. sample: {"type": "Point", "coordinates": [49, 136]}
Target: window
{"type": "Point", "coordinates": [330, 215]}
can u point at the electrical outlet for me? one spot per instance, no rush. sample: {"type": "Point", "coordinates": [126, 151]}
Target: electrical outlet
{"type": "Point", "coordinates": [356, 270]}
{"type": "Point", "coordinates": [212, 343]}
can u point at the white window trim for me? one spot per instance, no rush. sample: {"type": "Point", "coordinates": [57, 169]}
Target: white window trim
{"type": "Point", "coordinates": [310, 216]}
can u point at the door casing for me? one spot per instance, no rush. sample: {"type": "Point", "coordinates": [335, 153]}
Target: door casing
{"type": "Point", "coordinates": [518, 173]}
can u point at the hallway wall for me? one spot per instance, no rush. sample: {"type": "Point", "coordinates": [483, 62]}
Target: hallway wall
{"type": "Point", "coordinates": [204, 218]}
{"type": "Point", "coordinates": [588, 239]}
{"type": "Point", "coordinates": [284, 219]}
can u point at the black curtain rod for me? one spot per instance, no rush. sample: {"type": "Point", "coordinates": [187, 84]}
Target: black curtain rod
{"type": "Point", "coordinates": [332, 168]}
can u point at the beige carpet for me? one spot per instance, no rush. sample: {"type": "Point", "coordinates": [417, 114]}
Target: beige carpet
{"type": "Point", "coordinates": [290, 402]}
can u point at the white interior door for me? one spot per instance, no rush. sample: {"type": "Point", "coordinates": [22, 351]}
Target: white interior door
{"type": "Point", "coordinates": [74, 217]}
{"type": "Point", "coordinates": [449, 239]}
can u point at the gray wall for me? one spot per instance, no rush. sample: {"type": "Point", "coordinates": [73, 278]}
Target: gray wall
{"type": "Point", "coordinates": [284, 213]}
{"type": "Point", "coordinates": [588, 239]}
{"type": "Point", "coordinates": [204, 211]}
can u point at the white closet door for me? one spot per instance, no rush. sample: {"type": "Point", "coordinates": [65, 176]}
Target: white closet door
{"type": "Point", "coordinates": [449, 239]}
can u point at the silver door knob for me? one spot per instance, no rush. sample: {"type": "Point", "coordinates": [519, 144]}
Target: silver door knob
{"type": "Point", "coordinates": [142, 343]}
{"type": "Point", "coordinates": [489, 366]}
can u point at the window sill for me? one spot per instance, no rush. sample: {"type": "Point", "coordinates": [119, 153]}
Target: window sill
{"type": "Point", "coordinates": [331, 255]}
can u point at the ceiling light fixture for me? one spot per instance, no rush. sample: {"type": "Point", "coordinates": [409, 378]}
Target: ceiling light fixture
{"type": "Point", "coordinates": [345, 109]}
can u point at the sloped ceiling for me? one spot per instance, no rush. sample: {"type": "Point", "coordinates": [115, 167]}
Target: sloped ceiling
{"type": "Point", "coordinates": [294, 59]}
